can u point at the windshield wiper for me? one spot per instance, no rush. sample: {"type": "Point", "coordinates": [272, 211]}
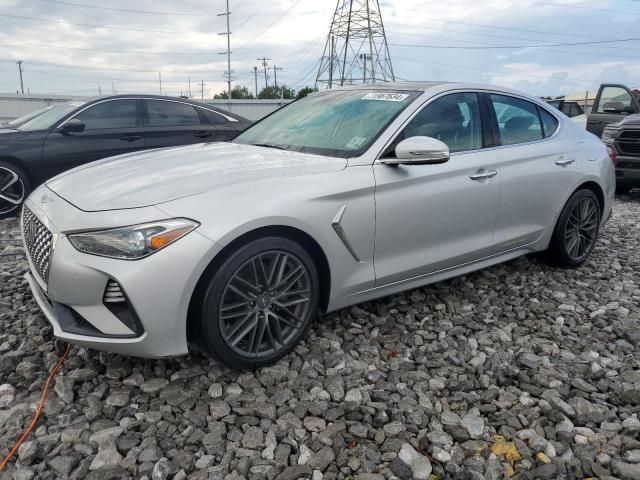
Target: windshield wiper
{"type": "Point", "coordinates": [271, 145]}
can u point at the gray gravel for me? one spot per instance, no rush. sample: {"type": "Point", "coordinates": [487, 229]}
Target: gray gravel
{"type": "Point", "coordinates": [520, 369]}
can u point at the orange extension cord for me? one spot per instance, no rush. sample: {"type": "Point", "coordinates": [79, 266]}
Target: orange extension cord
{"type": "Point", "coordinates": [36, 416]}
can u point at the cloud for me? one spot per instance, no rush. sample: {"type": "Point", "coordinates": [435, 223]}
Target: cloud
{"type": "Point", "coordinates": [292, 34]}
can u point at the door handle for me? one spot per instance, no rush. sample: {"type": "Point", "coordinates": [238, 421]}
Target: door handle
{"type": "Point", "coordinates": [203, 134]}
{"type": "Point", "coordinates": [565, 162]}
{"type": "Point", "coordinates": [594, 122]}
{"type": "Point", "coordinates": [131, 138]}
{"type": "Point", "coordinates": [483, 174]}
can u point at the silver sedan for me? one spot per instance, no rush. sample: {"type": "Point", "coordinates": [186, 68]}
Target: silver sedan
{"type": "Point", "coordinates": [341, 197]}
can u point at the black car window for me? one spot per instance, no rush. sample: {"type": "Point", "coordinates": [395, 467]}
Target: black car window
{"type": "Point", "coordinates": [171, 114]}
{"type": "Point", "coordinates": [110, 114]}
{"type": "Point", "coordinates": [453, 119]}
{"type": "Point", "coordinates": [518, 120]}
{"type": "Point", "coordinates": [214, 118]}
{"type": "Point", "coordinates": [549, 123]}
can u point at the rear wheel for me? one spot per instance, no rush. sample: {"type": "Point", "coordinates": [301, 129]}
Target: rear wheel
{"type": "Point", "coordinates": [577, 229]}
{"type": "Point", "coordinates": [259, 303]}
{"type": "Point", "coordinates": [14, 189]}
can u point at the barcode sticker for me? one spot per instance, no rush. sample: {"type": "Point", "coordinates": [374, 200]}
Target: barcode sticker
{"type": "Point", "coordinates": [386, 97]}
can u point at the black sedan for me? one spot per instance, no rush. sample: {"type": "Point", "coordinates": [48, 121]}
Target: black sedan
{"type": "Point", "coordinates": [81, 131]}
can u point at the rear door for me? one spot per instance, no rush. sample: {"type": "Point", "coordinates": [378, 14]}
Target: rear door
{"type": "Point", "coordinates": [613, 103]}
{"type": "Point", "coordinates": [537, 168]}
{"type": "Point", "coordinates": [112, 127]}
{"type": "Point", "coordinates": [170, 123]}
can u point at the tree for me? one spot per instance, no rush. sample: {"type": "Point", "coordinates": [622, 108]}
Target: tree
{"type": "Point", "coordinates": [305, 91]}
{"type": "Point", "coordinates": [238, 92]}
{"type": "Point", "coordinates": [275, 93]}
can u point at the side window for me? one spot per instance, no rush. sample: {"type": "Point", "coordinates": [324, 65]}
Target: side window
{"type": "Point", "coordinates": [518, 120]}
{"type": "Point", "coordinates": [613, 94]}
{"type": "Point", "coordinates": [171, 114]}
{"type": "Point", "coordinates": [110, 114]}
{"type": "Point", "coordinates": [453, 119]}
{"type": "Point", "coordinates": [549, 123]}
{"type": "Point", "coordinates": [214, 118]}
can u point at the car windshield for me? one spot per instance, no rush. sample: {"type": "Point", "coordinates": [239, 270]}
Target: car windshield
{"type": "Point", "coordinates": [48, 119]}
{"type": "Point", "coordinates": [342, 123]}
{"type": "Point", "coordinates": [25, 118]}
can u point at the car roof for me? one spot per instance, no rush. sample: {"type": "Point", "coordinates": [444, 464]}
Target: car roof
{"type": "Point", "coordinates": [163, 97]}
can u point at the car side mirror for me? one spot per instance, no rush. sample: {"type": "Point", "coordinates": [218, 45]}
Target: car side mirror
{"type": "Point", "coordinates": [419, 151]}
{"type": "Point", "coordinates": [613, 107]}
{"type": "Point", "coordinates": [73, 126]}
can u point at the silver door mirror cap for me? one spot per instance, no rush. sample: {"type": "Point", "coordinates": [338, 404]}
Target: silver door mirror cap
{"type": "Point", "coordinates": [419, 151]}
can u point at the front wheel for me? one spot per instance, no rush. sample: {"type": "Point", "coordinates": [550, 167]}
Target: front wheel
{"type": "Point", "coordinates": [577, 229]}
{"type": "Point", "coordinates": [14, 189]}
{"type": "Point", "coordinates": [259, 303]}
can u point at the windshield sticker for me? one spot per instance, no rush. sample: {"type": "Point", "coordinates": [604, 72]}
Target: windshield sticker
{"type": "Point", "coordinates": [356, 142]}
{"type": "Point", "coordinates": [76, 104]}
{"type": "Point", "coordinates": [386, 97]}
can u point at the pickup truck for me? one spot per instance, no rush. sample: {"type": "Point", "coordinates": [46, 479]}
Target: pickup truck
{"type": "Point", "coordinates": [615, 119]}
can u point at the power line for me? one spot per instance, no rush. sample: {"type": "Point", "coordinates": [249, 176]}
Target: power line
{"type": "Point", "coordinates": [85, 25]}
{"type": "Point", "coordinates": [582, 7]}
{"type": "Point", "coordinates": [83, 67]}
{"type": "Point", "coordinates": [151, 12]}
{"type": "Point", "coordinates": [515, 46]}
{"type": "Point", "coordinates": [84, 49]}
{"type": "Point", "coordinates": [295, 4]}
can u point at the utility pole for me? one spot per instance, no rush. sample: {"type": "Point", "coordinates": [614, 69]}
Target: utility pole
{"type": "Point", "coordinates": [19, 62]}
{"type": "Point", "coordinates": [202, 84]}
{"type": "Point", "coordinates": [189, 87]}
{"type": "Point", "coordinates": [160, 80]}
{"type": "Point", "coordinates": [275, 76]}
{"type": "Point", "coordinates": [255, 77]}
{"type": "Point", "coordinates": [99, 90]}
{"type": "Point", "coordinates": [265, 66]}
{"type": "Point", "coordinates": [228, 52]}
{"type": "Point", "coordinates": [113, 88]}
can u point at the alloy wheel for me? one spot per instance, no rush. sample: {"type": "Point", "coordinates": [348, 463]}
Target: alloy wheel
{"type": "Point", "coordinates": [581, 229]}
{"type": "Point", "coordinates": [12, 191]}
{"type": "Point", "coordinates": [265, 304]}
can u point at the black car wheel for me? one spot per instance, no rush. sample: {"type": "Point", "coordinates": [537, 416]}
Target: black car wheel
{"type": "Point", "coordinates": [14, 189]}
{"type": "Point", "coordinates": [259, 303]}
{"type": "Point", "coordinates": [577, 229]}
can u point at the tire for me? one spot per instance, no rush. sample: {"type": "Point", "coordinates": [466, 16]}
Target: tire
{"type": "Point", "coordinates": [14, 189]}
{"type": "Point", "coordinates": [251, 316]}
{"type": "Point", "coordinates": [579, 222]}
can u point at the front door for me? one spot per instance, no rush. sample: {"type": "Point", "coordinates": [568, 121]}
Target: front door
{"type": "Point", "coordinates": [613, 103]}
{"type": "Point", "coordinates": [112, 127]}
{"type": "Point", "coordinates": [433, 217]}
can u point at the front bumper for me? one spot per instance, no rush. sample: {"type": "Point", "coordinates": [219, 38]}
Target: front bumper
{"type": "Point", "coordinates": [157, 289]}
{"type": "Point", "coordinates": [627, 170]}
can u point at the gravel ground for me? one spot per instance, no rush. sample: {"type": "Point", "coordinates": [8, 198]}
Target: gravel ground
{"type": "Point", "coordinates": [519, 370]}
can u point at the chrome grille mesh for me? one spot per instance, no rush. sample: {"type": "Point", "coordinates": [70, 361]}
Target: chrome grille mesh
{"type": "Point", "coordinates": [38, 241]}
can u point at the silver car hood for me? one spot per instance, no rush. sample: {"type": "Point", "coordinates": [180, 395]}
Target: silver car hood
{"type": "Point", "coordinates": [158, 176]}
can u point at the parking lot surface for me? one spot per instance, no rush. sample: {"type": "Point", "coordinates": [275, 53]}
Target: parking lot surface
{"type": "Point", "coordinates": [521, 369]}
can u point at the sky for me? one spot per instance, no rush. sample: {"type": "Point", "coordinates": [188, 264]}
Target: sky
{"type": "Point", "coordinates": [81, 47]}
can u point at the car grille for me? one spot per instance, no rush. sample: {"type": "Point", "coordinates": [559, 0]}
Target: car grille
{"type": "Point", "coordinates": [39, 242]}
{"type": "Point", "coordinates": [629, 142]}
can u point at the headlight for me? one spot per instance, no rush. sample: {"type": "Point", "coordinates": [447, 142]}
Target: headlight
{"type": "Point", "coordinates": [132, 243]}
{"type": "Point", "coordinates": [609, 136]}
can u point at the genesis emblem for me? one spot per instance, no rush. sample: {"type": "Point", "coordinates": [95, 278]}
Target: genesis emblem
{"type": "Point", "coordinates": [46, 198]}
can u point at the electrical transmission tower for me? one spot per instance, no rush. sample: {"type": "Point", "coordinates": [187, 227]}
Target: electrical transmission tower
{"type": "Point", "coordinates": [356, 47]}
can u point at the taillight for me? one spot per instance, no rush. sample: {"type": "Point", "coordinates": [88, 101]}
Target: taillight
{"type": "Point", "coordinates": [612, 155]}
